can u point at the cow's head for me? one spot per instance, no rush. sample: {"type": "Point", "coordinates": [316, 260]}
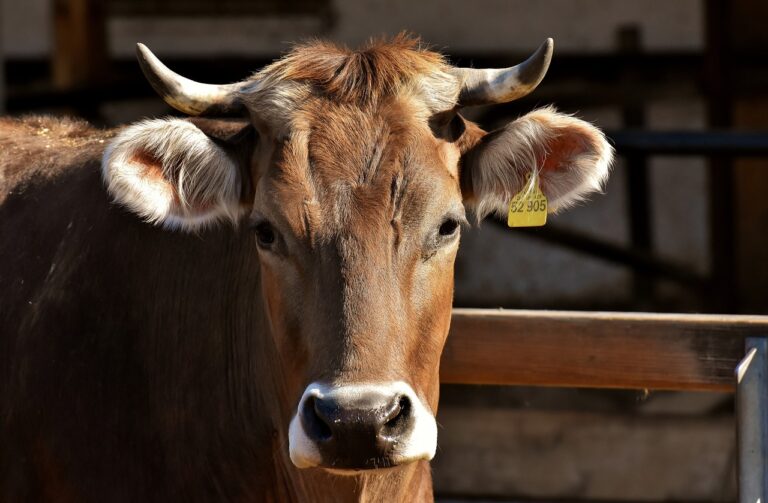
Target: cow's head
{"type": "Point", "coordinates": [354, 175]}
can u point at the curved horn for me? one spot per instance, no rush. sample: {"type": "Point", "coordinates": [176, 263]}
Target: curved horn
{"type": "Point", "coordinates": [186, 95]}
{"type": "Point", "coordinates": [488, 86]}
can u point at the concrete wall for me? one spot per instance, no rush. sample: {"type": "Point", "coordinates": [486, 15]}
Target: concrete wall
{"type": "Point", "coordinates": [26, 28]}
{"type": "Point", "coordinates": [560, 455]}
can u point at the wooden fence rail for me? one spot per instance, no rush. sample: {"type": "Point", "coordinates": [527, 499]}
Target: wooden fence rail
{"type": "Point", "coordinates": [625, 350]}
{"type": "Point", "coordinates": [597, 350]}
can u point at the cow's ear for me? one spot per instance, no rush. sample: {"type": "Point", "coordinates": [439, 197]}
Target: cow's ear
{"type": "Point", "coordinates": [572, 157]}
{"type": "Point", "coordinates": [172, 173]}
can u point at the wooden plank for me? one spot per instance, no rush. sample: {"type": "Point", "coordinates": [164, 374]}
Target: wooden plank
{"type": "Point", "coordinates": [80, 49]}
{"type": "Point", "coordinates": [597, 350]}
{"type": "Point", "coordinates": [751, 179]}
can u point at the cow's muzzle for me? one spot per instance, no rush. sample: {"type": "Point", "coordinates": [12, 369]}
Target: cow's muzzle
{"type": "Point", "coordinates": [361, 427]}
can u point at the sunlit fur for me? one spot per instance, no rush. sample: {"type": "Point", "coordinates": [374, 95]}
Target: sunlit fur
{"type": "Point", "coordinates": [377, 71]}
{"type": "Point", "coordinates": [355, 178]}
{"type": "Point", "coordinates": [151, 365]}
{"type": "Point", "coordinates": [571, 158]}
{"type": "Point", "coordinates": [170, 173]}
{"type": "Point", "coordinates": [356, 287]}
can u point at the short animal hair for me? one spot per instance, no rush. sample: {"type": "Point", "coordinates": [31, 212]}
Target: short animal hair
{"type": "Point", "coordinates": [364, 77]}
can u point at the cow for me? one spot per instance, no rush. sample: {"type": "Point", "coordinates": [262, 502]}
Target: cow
{"type": "Point", "coordinates": [249, 303]}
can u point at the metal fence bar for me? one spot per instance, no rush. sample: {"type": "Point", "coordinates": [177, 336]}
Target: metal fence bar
{"type": "Point", "coordinates": [752, 421]}
{"type": "Point", "coordinates": [703, 143]}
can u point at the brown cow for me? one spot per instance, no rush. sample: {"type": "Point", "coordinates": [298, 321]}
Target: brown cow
{"type": "Point", "coordinates": [293, 354]}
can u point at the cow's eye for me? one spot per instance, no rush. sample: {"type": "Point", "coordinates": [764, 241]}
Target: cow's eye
{"type": "Point", "coordinates": [265, 234]}
{"type": "Point", "coordinates": [448, 227]}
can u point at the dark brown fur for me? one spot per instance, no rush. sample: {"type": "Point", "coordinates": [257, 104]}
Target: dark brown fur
{"type": "Point", "coordinates": [134, 362]}
{"type": "Point", "coordinates": [141, 364]}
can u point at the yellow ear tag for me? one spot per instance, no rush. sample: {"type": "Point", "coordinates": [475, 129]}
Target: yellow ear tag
{"type": "Point", "coordinates": [529, 207]}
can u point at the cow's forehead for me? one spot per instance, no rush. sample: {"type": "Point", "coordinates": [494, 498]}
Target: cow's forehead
{"type": "Point", "coordinates": [341, 163]}
{"type": "Point", "coordinates": [353, 145]}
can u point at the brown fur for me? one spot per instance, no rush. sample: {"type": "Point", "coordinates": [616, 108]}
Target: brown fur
{"type": "Point", "coordinates": [159, 365]}
{"type": "Point", "coordinates": [53, 142]}
{"type": "Point", "coordinates": [364, 76]}
{"type": "Point", "coordinates": [376, 73]}
{"type": "Point", "coordinates": [140, 364]}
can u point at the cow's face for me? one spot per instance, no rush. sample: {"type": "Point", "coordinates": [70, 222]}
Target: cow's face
{"type": "Point", "coordinates": [358, 218]}
{"type": "Point", "coordinates": [354, 179]}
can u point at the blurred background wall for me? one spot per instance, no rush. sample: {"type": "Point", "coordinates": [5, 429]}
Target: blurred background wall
{"type": "Point", "coordinates": [678, 233]}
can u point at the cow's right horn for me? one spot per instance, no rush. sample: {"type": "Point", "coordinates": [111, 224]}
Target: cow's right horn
{"type": "Point", "coordinates": [481, 86]}
{"type": "Point", "coordinates": [185, 95]}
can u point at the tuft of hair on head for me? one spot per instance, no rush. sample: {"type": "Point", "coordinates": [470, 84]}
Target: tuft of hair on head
{"type": "Point", "coordinates": [380, 68]}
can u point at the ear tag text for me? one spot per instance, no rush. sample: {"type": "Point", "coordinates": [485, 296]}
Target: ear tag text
{"type": "Point", "coordinates": [529, 206]}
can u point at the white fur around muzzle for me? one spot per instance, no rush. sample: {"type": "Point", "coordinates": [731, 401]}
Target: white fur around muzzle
{"type": "Point", "coordinates": [421, 443]}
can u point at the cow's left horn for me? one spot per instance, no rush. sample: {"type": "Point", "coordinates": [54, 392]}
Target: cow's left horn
{"type": "Point", "coordinates": [491, 85]}
{"type": "Point", "coordinates": [186, 95]}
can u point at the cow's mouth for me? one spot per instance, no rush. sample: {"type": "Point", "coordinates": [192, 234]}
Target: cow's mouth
{"type": "Point", "coordinates": [351, 428]}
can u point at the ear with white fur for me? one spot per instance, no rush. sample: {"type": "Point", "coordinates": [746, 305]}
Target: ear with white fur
{"type": "Point", "coordinates": [572, 157]}
{"type": "Point", "coordinates": [171, 173]}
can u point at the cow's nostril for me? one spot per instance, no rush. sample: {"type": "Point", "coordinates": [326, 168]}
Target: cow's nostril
{"type": "Point", "coordinates": [362, 427]}
{"type": "Point", "coordinates": [398, 416]}
{"type": "Point", "coordinates": [315, 422]}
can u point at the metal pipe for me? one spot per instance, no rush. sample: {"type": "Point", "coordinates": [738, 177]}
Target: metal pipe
{"type": "Point", "coordinates": [752, 421]}
{"type": "Point", "coordinates": [691, 143]}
